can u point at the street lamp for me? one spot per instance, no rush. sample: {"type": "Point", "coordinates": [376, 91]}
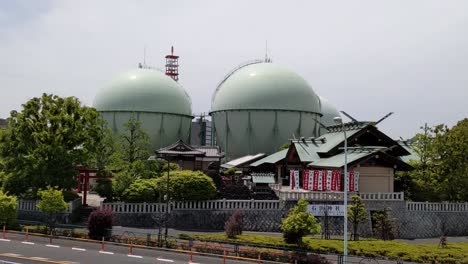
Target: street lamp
{"type": "Point", "coordinates": [339, 121]}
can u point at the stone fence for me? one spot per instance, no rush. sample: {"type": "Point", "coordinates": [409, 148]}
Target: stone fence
{"type": "Point", "coordinates": [31, 205]}
{"type": "Point", "coordinates": [437, 207]}
{"type": "Point", "coordinates": [27, 210]}
{"type": "Point", "coordinates": [245, 205]}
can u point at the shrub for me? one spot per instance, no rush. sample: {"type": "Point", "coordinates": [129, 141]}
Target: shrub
{"type": "Point", "coordinates": [384, 224]}
{"type": "Point", "coordinates": [69, 196]}
{"type": "Point", "coordinates": [141, 190]}
{"type": "Point", "coordinates": [233, 227]}
{"type": "Point", "coordinates": [8, 206]}
{"type": "Point", "coordinates": [51, 202]}
{"type": "Point", "coordinates": [299, 223]}
{"type": "Point", "coordinates": [104, 188]}
{"type": "Point", "coordinates": [188, 185]}
{"type": "Point", "coordinates": [99, 224]}
{"type": "Point", "coordinates": [236, 192]}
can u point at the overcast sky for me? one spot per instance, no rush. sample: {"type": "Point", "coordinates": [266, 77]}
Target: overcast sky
{"type": "Point", "coordinates": [367, 58]}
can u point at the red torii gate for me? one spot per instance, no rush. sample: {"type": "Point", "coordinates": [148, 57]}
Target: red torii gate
{"type": "Point", "coordinates": [83, 181]}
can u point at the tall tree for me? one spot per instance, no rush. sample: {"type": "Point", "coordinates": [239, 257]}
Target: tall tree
{"type": "Point", "coordinates": [45, 141]}
{"type": "Point", "coordinates": [451, 147]}
{"type": "Point", "coordinates": [134, 142]}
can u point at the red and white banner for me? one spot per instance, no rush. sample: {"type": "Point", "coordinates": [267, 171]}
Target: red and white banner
{"type": "Point", "coordinates": [323, 180]}
{"type": "Point", "coordinates": [329, 180]}
{"type": "Point", "coordinates": [291, 179]}
{"type": "Point", "coordinates": [296, 179]}
{"type": "Point", "coordinates": [316, 177]}
{"type": "Point", "coordinates": [305, 180]}
{"type": "Point", "coordinates": [353, 181]}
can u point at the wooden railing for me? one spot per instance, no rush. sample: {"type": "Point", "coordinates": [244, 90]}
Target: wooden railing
{"type": "Point", "coordinates": [437, 207]}
{"type": "Point", "coordinates": [193, 205]}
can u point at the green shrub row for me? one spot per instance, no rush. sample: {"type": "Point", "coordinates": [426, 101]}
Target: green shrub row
{"type": "Point", "coordinates": [452, 253]}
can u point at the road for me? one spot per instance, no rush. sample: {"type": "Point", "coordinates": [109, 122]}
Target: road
{"type": "Point", "coordinates": [62, 251]}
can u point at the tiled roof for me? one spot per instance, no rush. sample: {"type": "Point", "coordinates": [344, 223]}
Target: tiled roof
{"type": "Point", "coordinates": [271, 159]}
{"type": "Point", "coordinates": [243, 160]}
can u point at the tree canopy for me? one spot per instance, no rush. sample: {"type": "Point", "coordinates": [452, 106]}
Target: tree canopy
{"type": "Point", "coordinates": [45, 141]}
{"type": "Point", "coordinates": [441, 172]}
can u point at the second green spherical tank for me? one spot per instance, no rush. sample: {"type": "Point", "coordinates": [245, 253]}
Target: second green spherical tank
{"type": "Point", "coordinates": [258, 107]}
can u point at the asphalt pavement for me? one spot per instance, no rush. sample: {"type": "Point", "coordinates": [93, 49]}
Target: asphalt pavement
{"type": "Point", "coordinates": [62, 251]}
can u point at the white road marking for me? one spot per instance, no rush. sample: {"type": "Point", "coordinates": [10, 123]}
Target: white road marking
{"type": "Point", "coordinates": [8, 262]}
{"type": "Point", "coordinates": [12, 255]}
{"type": "Point", "coordinates": [79, 249]}
{"type": "Point", "coordinates": [5, 240]}
{"type": "Point", "coordinates": [52, 246]}
{"type": "Point", "coordinates": [106, 252]}
{"type": "Point", "coordinates": [165, 260]}
{"type": "Point", "coordinates": [134, 256]}
{"type": "Point", "coordinates": [28, 243]}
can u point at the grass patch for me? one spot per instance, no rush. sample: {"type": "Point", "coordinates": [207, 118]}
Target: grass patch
{"type": "Point", "coordinates": [452, 253]}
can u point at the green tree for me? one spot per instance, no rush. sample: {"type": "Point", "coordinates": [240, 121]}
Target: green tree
{"type": "Point", "coordinates": [102, 160]}
{"type": "Point", "coordinates": [441, 172]}
{"type": "Point", "coordinates": [134, 142]}
{"type": "Point", "coordinates": [51, 202]}
{"type": "Point", "coordinates": [188, 185]}
{"type": "Point", "coordinates": [45, 141]}
{"type": "Point", "coordinates": [383, 224]}
{"type": "Point", "coordinates": [8, 206]}
{"type": "Point", "coordinates": [299, 223]}
{"type": "Point", "coordinates": [284, 146]}
{"type": "Point", "coordinates": [451, 147]}
{"type": "Point", "coordinates": [356, 214]}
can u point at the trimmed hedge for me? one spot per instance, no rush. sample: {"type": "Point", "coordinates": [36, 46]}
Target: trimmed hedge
{"type": "Point", "coordinates": [452, 253]}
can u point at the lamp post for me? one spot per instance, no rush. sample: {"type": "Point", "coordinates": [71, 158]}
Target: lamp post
{"type": "Point", "coordinates": [339, 121]}
{"type": "Point", "coordinates": [167, 203]}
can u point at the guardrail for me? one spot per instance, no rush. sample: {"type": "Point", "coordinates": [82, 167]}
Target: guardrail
{"type": "Point", "coordinates": [437, 207]}
{"type": "Point", "coordinates": [193, 205]}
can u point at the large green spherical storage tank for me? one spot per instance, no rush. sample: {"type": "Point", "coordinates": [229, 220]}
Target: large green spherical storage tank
{"type": "Point", "coordinates": [328, 112]}
{"type": "Point", "coordinates": [161, 105]}
{"type": "Point", "coordinates": [259, 106]}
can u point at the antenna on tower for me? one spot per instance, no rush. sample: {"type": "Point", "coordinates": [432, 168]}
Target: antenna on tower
{"type": "Point", "coordinates": [267, 59]}
{"type": "Point", "coordinates": [172, 65]}
{"type": "Point", "coordinates": [144, 56]}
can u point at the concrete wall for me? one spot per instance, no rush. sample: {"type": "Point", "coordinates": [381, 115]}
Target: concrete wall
{"type": "Point", "coordinates": [407, 224]}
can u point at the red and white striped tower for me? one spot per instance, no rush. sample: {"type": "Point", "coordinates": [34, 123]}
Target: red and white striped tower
{"type": "Point", "coordinates": [172, 65]}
